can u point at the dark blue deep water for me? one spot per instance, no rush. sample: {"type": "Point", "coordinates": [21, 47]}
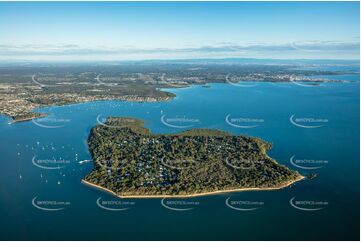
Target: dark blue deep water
{"type": "Point", "coordinates": [325, 142]}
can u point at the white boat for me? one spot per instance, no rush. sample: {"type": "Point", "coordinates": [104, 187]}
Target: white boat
{"type": "Point", "coordinates": [84, 161]}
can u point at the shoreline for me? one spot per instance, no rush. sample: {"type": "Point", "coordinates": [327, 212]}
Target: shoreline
{"type": "Point", "coordinates": [162, 99]}
{"type": "Point", "coordinates": [14, 120]}
{"type": "Point", "coordinates": [300, 177]}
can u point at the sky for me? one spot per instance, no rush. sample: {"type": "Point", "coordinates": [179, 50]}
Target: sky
{"type": "Point", "coordinates": [178, 30]}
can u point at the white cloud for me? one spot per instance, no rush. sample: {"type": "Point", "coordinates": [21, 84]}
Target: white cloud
{"type": "Point", "coordinates": [312, 49]}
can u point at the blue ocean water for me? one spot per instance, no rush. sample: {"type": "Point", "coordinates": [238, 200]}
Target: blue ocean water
{"type": "Point", "coordinates": [324, 135]}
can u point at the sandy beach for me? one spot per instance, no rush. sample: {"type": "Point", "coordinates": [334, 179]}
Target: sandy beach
{"type": "Point", "coordinates": [196, 194]}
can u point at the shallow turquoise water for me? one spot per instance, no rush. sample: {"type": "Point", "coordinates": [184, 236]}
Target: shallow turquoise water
{"type": "Point", "coordinates": [336, 144]}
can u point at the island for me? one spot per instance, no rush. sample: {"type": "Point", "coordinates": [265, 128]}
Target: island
{"type": "Point", "coordinates": [132, 162]}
